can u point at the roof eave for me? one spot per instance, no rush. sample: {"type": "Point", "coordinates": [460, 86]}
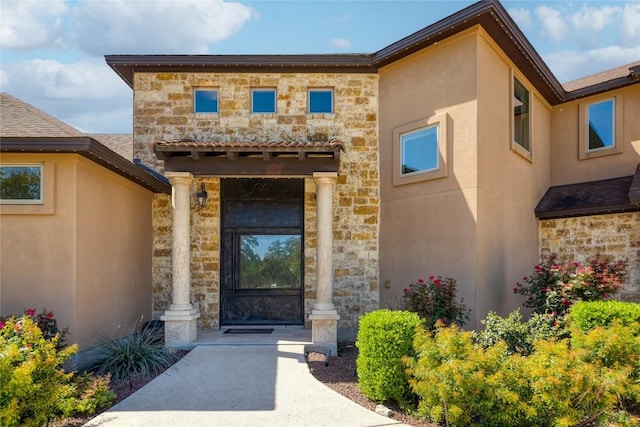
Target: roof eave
{"type": "Point", "coordinates": [89, 148]}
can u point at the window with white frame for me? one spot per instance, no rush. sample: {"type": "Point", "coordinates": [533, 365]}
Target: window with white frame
{"type": "Point", "coordinates": [420, 150]}
{"type": "Point", "coordinates": [600, 125]}
{"type": "Point", "coordinates": [205, 100]}
{"type": "Point", "coordinates": [600, 131]}
{"type": "Point", "coordinates": [263, 100]}
{"type": "Point", "coordinates": [521, 117]}
{"type": "Point", "coordinates": [320, 100]}
{"type": "Point", "coordinates": [21, 183]}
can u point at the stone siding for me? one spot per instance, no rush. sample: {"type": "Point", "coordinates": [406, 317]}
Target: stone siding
{"type": "Point", "coordinates": [163, 110]}
{"type": "Point", "coordinates": [616, 236]}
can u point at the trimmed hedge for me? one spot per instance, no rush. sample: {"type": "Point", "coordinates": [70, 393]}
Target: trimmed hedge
{"type": "Point", "coordinates": [587, 315]}
{"type": "Point", "coordinates": [384, 337]}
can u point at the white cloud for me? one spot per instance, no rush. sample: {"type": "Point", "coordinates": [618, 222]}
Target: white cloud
{"type": "Point", "coordinates": [552, 22]}
{"type": "Point", "coordinates": [31, 24]}
{"type": "Point", "coordinates": [522, 17]}
{"type": "Point", "coordinates": [340, 43]}
{"type": "Point", "coordinates": [571, 65]}
{"type": "Point", "coordinates": [74, 93]}
{"type": "Point", "coordinates": [179, 27]}
{"type": "Point", "coordinates": [631, 24]}
{"type": "Point", "coordinates": [593, 18]}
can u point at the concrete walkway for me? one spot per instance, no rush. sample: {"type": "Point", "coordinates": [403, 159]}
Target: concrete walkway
{"type": "Point", "coordinates": [241, 380]}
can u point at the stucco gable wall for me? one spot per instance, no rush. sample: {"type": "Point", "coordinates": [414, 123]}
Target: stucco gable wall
{"type": "Point", "coordinates": [113, 240]}
{"type": "Point", "coordinates": [567, 168]}
{"type": "Point", "coordinates": [509, 185]}
{"type": "Point", "coordinates": [38, 249]}
{"type": "Point", "coordinates": [429, 227]}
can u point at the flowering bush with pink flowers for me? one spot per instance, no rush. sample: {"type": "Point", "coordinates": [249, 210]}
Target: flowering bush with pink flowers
{"type": "Point", "coordinates": [46, 321]}
{"type": "Point", "coordinates": [554, 287]}
{"type": "Point", "coordinates": [435, 301]}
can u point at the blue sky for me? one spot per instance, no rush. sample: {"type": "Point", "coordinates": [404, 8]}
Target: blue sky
{"type": "Point", "coordinates": [52, 51]}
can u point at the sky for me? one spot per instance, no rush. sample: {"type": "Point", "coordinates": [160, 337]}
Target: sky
{"type": "Point", "coordinates": [52, 51]}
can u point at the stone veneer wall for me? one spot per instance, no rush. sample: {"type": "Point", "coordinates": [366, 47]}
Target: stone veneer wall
{"type": "Point", "coordinates": [616, 236]}
{"type": "Point", "coordinates": [163, 111]}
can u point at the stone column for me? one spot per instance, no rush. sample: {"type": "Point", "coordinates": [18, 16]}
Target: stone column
{"type": "Point", "coordinates": [324, 316]}
{"type": "Point", "coordinates": [181, 318]}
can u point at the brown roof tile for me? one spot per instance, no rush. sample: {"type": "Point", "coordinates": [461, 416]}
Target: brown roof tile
{"type": "Point", "coordinates": [17, 118]}
{"type": "Point", "coordinates": [598, 78]}
{"type": "Point", "coordinates": [121, 143]}
{"type": "Point", "coordinates": [587, 198]}
{"type": "Point", "coordinates": [634, 191]}
{"type": "Point", "coordinates": [187, 144]}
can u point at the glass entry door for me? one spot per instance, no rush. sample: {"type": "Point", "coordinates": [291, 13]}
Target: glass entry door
{"type": "Point", "coordinates": [262, 258]}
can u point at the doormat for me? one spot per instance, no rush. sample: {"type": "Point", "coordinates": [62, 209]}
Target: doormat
{"type": "Point", "coordinates": [248, 331]}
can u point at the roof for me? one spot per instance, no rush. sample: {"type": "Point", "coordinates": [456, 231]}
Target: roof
{"type": "Point", "coordinates": [490, 14]}
{"type": "Point", "coordinates": [26, 129]}
{"type": "Point", "coordinates": [608, 79]}
{"type": "Point", "coordinates": [612, 195]}
{"type": "Point", "coordinates": [240, 158]}
{"type": "Point", "coordinates": [21, 119]}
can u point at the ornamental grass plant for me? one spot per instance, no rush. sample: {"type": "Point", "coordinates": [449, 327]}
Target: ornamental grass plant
{"type": "Point", "coordinates": [129, 353]}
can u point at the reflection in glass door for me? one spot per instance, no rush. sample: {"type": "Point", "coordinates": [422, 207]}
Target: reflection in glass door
{"type": "Point", "coordinates": [270, 261]}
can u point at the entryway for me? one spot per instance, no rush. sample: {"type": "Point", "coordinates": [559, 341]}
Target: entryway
{"type": "Point", "coordinates": [262, 251]}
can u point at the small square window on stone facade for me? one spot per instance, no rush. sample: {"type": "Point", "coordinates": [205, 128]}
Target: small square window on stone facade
{"type": "Point", "coordinates": [263, 100]}
{"type": "Point", "coordinates": [205, 101]}
{"type": "Point", "coordinates": [320, 101]}
{"type": "Point", "coordinates": [21, 184]}
{"type": "Point", "coordinates": [600, 127]}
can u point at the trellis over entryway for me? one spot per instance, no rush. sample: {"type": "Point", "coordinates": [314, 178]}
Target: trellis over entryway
{"type": "Point", "coordinates": [185, 159]}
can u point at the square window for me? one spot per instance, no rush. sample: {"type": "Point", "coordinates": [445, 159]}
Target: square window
{"type": "Point", "coordinates": [601, 125]}
{"type": "Point", "coordinates": [21, 184]}
{"type": "Point", "coordinates": [420, 150]}
{"type": "Point", "coordinates": [320, 101]}
{"type": "Point", "coordinates": [263, 101]}
{"type": "Point", "coordinates": [521, 115]}
{"type": "Point", "coordinates": [205, 101]}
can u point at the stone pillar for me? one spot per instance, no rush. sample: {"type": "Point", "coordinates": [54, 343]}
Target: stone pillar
{"type": "Point", "coordinates": [324, 316]}
{"type": "Point", "coordinates": [181, 318]}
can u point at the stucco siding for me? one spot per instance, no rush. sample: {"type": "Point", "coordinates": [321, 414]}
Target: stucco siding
{"type": "Point", "coordinates": [38, 250]}
{"type": "Point", "coordinates": [430, 227]}
{"type": "Point", "coordinates": [113, 252]}
{"type": "Point", "coordinates": [510, 185]}
{"type": "Point", "coordinates": [567, 168]}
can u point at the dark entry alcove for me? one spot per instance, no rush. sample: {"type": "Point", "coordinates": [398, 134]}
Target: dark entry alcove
{"type": "Point", "coordinates": [262, 251]}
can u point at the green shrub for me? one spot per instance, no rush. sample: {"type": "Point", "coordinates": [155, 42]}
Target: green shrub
{"type": "Point", "coordinates": [435, 301]}
{"type": "Point", "coordinates": [519, 336]}
{"type": "Point", "coordinates": [32, 384]}
{"type": "Point", "coordinates": [588, 315]}
{"type": "Point", "coordinates": [616, 346]}
{"type": "Point", "coordinates": [460, 383]}
{"type": "Point", "coordinates": [130, 353]}
{"type": "Point", "coordinates": [384, 337]}
{"type": "Point", "coordinates": [554, 287]}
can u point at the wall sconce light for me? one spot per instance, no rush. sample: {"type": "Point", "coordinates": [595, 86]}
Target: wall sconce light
{"type": "Point", "coordinates": [202, 196]}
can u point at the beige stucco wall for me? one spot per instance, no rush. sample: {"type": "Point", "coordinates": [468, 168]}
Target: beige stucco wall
{"type": "Point", "coordinates": [37, 262]}
{"type": "Point", "coordinates": [163, 111]}
{"type": "Point", "coordinates": [89, 258]}
{"type": "Point", "coordinates": [509, 185]}
{"type": "Point", "coordinates": [477, 225]}
{"type": "Point", "coordinates": [430, 227]}
{"type": "Point", "coordinates": [567, 168]}
{"type": "Point", "coordinates": [113, 244]}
